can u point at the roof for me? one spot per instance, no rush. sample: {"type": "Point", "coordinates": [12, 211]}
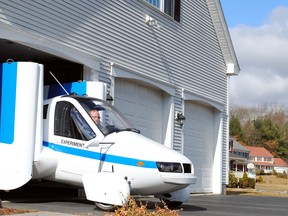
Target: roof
{"type": "Point", "coordinates": [259, 151]}
{"type": "Point", "coordinates": [280, 162]}
{"type": "Point", "coordinates": [239, 146]}
{"type": "Point", "coordinates": [223, 34]}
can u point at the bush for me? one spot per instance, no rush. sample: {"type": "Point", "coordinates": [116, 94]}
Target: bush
{"type": "Point", "coordinates": [251, 182]}
{"type": "Point", "coordinates": [240, 184]}
{"type": "Point", "coordinates": [282, 175]}
{"type": "Point", "coordinates": [246, 182]}
{"type": "Point", "coordinates": [133, 209]}
{"type": "Point", "coordinates": [260, 172]}
{"type": "Point", "coordinates": [260, 179]}
{"type": "Point", "coordinates": [233, 181]}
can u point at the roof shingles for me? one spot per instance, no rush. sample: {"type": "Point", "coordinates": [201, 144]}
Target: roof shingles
{"type": "Point", "coordinates": [259, 151]}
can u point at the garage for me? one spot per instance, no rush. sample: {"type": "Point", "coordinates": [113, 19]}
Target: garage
{"type": "Point", "coordinates": [64, 70]}
{"type": "Point", "coordinates": [142, 104]}
{"type": "Point", "coordinates": [198, 143]}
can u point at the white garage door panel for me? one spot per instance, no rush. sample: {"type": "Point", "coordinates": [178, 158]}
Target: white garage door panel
{"type": "Point", "coordinates": [142, 105]}
{"type": "Point", "coordinates": [198, 143]}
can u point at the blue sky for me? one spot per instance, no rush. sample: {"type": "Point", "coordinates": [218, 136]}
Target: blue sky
{"type": "Point", "coordinates": [259, 32]}
{"type": "Point", "coordinates": [249, 12]}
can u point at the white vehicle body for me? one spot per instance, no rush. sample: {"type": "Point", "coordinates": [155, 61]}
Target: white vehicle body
{"type": "Point", "coordinates": [56, 139]}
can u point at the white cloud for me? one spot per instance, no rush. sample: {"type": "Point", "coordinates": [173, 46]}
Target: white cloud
{"type": "Point", "coordinates": [262, 53]}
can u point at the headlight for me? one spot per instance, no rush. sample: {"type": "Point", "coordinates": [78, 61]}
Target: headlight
{"type": "Point", "coordinates": [169, 167]}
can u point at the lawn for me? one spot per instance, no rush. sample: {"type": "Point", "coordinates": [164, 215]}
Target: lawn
{"type": "Point", "coordinates": [271, 186]}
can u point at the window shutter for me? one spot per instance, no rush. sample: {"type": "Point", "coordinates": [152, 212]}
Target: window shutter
{"type": "Point", "coordinates": [177, 10]}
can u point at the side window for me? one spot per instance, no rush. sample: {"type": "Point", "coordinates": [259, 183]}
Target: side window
{"type": "Point", "coordinates": [45, 108]}
{"type": "Point", "coordinates": [69, 122]}
{"type": "Point", "coordinates": [83, 128]}
{"type": "Point", "coordinates": [170, 7]}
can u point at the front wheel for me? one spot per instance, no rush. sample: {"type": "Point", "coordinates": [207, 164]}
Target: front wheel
{"type": "Point", "coordinates": [105, 207]}
{"type": "Point", "coordinates": [172, 204]}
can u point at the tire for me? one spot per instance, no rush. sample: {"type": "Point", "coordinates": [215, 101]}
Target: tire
{"type": "Point", "coordinates": [172, 204]}
{"type": "Point", "coordinates": [105, 207]}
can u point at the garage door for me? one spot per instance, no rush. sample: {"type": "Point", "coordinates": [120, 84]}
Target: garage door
{"type": "Point", "coordinates": [198, 143]}
{"type": "Point", "coordinates": [142, 105]}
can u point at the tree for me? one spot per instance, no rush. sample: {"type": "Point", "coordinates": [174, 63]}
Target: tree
{"type": "Point", "coordinates": [282, 152]}
{"type": "Point", "coordinates": [235, 127]}
{"type": "Point", "coordinates": [264, 126]}
{"type": "Point", "coordinates": [269, 132]}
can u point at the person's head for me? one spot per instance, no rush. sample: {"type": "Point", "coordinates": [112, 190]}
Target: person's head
{"type": "Point", "coordinates": [95, 116]}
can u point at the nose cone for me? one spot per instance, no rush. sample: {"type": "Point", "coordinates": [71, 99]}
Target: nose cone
{"type": "Point", "coordinates": [137, 146]}
{"type": "Point", "coordinates": [150, 167]}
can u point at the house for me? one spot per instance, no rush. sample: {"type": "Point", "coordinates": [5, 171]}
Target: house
{"type": "Point", "coordinates": [161, 60]}
{"type": "Point", "coordinates": [280, 166]}
{"type": "Point", "coordinates": [239, 160]}
{"type": "Point", "coordinates": [238, 156]}
{"type": "Point", "coordinates": [261, 158]}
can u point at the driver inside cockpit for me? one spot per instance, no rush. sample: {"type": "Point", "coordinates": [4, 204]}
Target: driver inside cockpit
{"type": "Point", "coordinates": [94, 114]}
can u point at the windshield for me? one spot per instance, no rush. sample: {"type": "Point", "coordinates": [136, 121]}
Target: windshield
{"type": "Point", "coordinates": [107, 118]}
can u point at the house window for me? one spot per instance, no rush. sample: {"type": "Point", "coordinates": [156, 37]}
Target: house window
{"type": "Point", "coordinates": [259, 158]}
{"type": "Point", "coordinates": [170, 7]}
{"type": "Point", "coordinates": [268, 159]}
{"type": "Point", "coordinates": [231, 146]}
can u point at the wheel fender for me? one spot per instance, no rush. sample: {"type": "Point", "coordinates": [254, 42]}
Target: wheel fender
{"type": "Point", "coordinates": [109, 188]}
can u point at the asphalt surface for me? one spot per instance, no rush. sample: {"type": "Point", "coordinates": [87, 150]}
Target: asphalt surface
{"type": "Point", "coordinates": [59, 201]}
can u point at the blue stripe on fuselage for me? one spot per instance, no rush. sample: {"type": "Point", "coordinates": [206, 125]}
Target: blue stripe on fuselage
{"type": "Point", "coordinates": [102, 157]}
{"type": "Point", "coordinates": [8, 81]}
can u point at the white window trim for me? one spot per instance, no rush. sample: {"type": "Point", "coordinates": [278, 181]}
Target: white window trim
{"type": "Point", "coordinates": [160, 9]}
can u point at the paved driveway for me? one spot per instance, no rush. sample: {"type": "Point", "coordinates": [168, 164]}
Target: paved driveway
{"type": "Point", "coordinates": [198, 204]}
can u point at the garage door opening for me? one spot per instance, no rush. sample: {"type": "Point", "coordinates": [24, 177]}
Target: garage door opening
{"type": "Point", "coordinates": [64, 70]}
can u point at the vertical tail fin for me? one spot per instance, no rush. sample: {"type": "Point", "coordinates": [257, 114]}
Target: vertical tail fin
{"type": "Point", "coordinates": [20, 107]}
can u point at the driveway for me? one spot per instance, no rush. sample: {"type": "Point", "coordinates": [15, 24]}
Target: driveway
{"type": "Point", "coordinates": [65, 200]}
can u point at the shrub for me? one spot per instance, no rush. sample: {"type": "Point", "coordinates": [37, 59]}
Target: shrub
{"type": "Point", "coordinates": [245, 181]}
{"type": "Point", "coordinates": [260, 179]}
{"type": "Point", "coordinates": [285, 175]}
{"type": "Point", "coordinates": [133, 209]}
{"type": "Point", "coordinates": [282, 175]}
{"type": "Point", "coordinates": [233, 181]}
{"type": "Point", "coordinates": [240, 183]}
{"type": "Point", "coordinates": [260, 172]}
{"type": "Point", "coordinates": [251, 182]}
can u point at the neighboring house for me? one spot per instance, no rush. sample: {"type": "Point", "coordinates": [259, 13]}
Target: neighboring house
{"type": "Point", "coordinates": [158, 60]}
{"type": "Point", "coordinates": [280, 166]}
{"type": "Point", "coordinates": [238, 156]}
{"type": "Point", "coordinates": [262, 158]}
{"type": "Point", "coordinates": [239, 161]}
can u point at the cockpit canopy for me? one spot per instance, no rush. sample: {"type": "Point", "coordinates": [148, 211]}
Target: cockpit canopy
{"type": "Point", "coordinates": [110, 119]}
{"type": "Point", "coordinates": [69, 122]}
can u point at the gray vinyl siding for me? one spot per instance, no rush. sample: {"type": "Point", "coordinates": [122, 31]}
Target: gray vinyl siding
{"type": "Point", "coordinates": [186, 53]}
{"type": "Point", "coordinates": [178, 106]}
{"type": "Point", "coordinates": [225, 149]}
